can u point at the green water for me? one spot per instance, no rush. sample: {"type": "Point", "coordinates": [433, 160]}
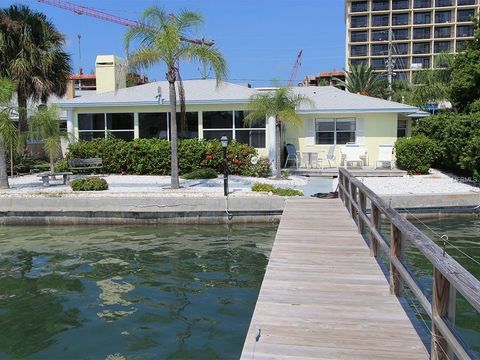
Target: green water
{"type": "Point", "coordinates": [464, 234]}
{"type": "Point", "coordinates": [167, 292]}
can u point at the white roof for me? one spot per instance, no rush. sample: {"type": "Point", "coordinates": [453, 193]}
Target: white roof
{"type": "Point", "coordinates": [326, 99]}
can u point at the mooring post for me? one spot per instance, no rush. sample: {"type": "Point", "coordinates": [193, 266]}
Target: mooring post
{"type": "Point", "coordinates": [396, 250]}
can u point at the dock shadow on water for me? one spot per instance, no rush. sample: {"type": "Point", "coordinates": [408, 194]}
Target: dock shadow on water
{"type": "Point", "coordinates": [92, 292]}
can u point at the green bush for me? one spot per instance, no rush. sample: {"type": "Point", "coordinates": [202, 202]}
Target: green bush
{"type": "Point", "coordinates": [261, 169]}
{"type": "Point", "coordinates": [205, 173]}
{"type": "Point", "coordinates": [62, 166]}
{"type": "Point", "coordinates": [152, 156]}
{"type": "Point", "coordinates": [89, 184]}
{"type": "Point", "coordinates": [416, 154]}
{"type": "Point", "coordinates": [261, 187]}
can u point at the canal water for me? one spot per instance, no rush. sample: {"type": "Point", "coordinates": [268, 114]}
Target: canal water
{"type": "Point", "coordinates": [464, 246]}
{"type": "Point", "coordinates": [82, 292]}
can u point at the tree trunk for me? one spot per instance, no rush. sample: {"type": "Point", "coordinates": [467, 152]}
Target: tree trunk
{"type": "Point", "coordinates": [52, 164]}
{"type": "Point", "coordinates": [3, 166]}
{"type": "Point", "coordinates": [22, 113]}
{"type": "Point", "coordinates": [278, 170]}
{"type": "Point", "coordinates": [175, 183]}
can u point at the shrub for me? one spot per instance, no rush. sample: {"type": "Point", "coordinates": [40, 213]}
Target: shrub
{"type": "Point", "coordinates": [61, 166]}
{"type": "Point", "coordinates": [262, 168]}
{"type": "Point", "coordinates": [89, 184]}
{"type": "Point", "coordinates": [416, 154]}
{"type": "Point", "coordinates": [276, 190]}
{"type": "Point", "coordinates": [205, 173]}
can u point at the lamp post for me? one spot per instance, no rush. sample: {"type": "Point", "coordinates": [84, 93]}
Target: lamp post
{"type": "Point", "coordinates": [224, 141]}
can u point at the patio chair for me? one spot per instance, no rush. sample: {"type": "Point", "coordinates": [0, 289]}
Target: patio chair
{"type": "Point", "coordinates": [291, 154]}
{"type": "Point", "coordinates": [329, 158]}
{"type": "Point", "coordinates": [385, 156]}
{"type": "Point", "coordinates": [353, 155]}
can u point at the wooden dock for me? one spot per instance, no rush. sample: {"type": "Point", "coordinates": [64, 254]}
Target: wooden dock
{"type": "Point", "coordinates": [324, 296]}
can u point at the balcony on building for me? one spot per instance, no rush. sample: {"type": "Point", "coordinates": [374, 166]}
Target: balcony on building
{"type": "Point", "coordinates": [380, 20]}
{"type": "Point", "coordinates": [420, 4]}
{"type": "Point", "coordinates": [400, 4]}
{"type": "Point", "coordinates": [465, 15]}
{"type": "Point", "coordinates": [380, 5]}
{"type": "Point", "coordinates": [358, 21]}
{"type": "Point", "coordinates": [422, 18]}
{"type": "Point", "coordinates": [358, 36]}
{"type": "Point", "coordinates": [358, 6]}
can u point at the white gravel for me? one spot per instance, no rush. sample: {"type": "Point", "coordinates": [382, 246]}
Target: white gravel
{"type": "Point", "coordinates": [148, 185]}
{"type": "Point", "coordinates": [434, 183]}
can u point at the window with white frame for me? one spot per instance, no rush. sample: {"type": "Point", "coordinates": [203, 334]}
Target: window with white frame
{"type": "Point", "coordinates": [98, 125]}
{"type": "Point", "coordinates": [233, 125]}
{"type": "Point", "coordinates": [335, 131]}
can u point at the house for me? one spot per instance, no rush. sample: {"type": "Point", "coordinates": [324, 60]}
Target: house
{"type": "Point", "coordinates": [336, 117]}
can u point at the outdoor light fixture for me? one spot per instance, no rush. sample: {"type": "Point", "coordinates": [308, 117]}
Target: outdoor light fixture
{"type": "Point", "coordinates": [224, 141]}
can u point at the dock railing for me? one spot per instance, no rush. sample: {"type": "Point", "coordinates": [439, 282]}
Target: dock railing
{"type": "Point", "coordinates": [448, 275]}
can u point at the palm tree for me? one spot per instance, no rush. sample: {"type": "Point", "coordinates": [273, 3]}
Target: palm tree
{"type": "Point", "coordinates": [32, 56]}
{"type": "Point", "coordinates": [45, 126]}
{"type": "Point", "coordinates": [160, 38]}
{"type": "Point", "coordinates": [361, 79]}
{"type": "Point", "coordinates": [8, 131]}
{"type": "Point", "coordinates": [279, 104]}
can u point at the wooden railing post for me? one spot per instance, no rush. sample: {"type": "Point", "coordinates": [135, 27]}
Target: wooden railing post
{"type": "Point", "coordinates": [341, 184]}
{"type": "Point", "coordinates": [363, 206]}
{"type": "Point", "coordinates": [396, 249]}
{"type": "Point", "coordinates": [441, 306]}
{"type": "Point", "coordinates": [347, 192]}
{"type": "Point", "coordinates": [353, 193]}
{"type": "Point", "coordinates": [375, 222]}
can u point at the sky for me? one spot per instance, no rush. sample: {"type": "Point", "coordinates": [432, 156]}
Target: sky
{"type": "Point", "coordinates": [260, 39]}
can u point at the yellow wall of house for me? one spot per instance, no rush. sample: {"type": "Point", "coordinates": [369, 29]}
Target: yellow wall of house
{"type": "Point", "coordinates": [379, 128]}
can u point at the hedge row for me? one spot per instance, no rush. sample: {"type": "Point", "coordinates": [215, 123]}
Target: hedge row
{"type": "Point", "coordinates": [458, 141]}
{"type": "Point", "coordinates": [416, 154]}
{"type": "Point", "coordinates": [152, 156]}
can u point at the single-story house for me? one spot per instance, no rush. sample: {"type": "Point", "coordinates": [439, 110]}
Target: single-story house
{"type": "Point", "coordinates": [336, 117]}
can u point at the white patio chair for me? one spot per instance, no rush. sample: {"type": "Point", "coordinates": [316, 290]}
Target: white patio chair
{"type": "Point", "coordinates": [353, 154]}
{"type": "Point", "coordinates": [305, 160]}
{"type": "Point", "coordinates": [385, 156]}
{"type": "Point", "coordinates": [329, 158]}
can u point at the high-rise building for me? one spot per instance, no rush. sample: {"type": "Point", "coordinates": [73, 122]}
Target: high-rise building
{"type": "Point", "coordinates": [420, 30]}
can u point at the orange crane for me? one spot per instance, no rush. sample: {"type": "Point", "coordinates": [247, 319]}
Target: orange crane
{"type": "Point", "coordinates": [296, 66]}
{"type": "Point", "coordinates": [84, 10]}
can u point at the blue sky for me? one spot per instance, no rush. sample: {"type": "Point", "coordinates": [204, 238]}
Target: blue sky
{"type": "Point", "coordinates": [259, 38]}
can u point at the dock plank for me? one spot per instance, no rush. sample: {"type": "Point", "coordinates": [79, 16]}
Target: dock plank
{"type": "Point", "coordinates": [324, 297]}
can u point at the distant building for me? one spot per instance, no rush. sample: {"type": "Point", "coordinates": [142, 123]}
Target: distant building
{"type": "Point", "coordinates": [420, 29]}
{"type": "Point", "coordinates": [328, 78]}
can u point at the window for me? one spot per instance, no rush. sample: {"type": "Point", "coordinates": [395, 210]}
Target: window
{"type": "Point", "coordinates": [400, 4]}
{"type": "Point", "coordinates": [358, 21]}
{"type": "Point", "coordinates": [379, 35]}
{"type": "Point", "coordinates": [461, 44]}
{"type": "Point", "coordinates": [401, 75]}
{"type": "Point", "coordinates": [379, 49]}
{"type": "Point", "coordinates": [189, 128]}
{"type": "Point", "coordinates": [443, 32]}
{"type": "Point", "coordinates": [401, 34]}
{"type": "Point", "coordinates": [421, 62]}
{"type": "Point", "coordinates": [378, 64]}
{"type": "Point", "coordinates": [441, 3]}
{"type": "Point", "coordinates": [401, 63]}
{"type": "Point", "coordinates": [442, 46]}
{"type": "Point", "coordinates": [359, 6]}
{"type": "Point", "coordinates": [421, 33]}
{"type": "Point", "coordinates": [153, 125]}
{"type": "Point", "coordinates": [400, 19]}
{"type": "Point", "coordinates": [380, 20]}
{"type": "Point", "coordinates": [91, 126]}
{"type": "Point", "coordinates": [422, 18]}
{"type": "Point", "coordinates": [358, 36]}
{"type": "Point", "coordinates": [380, 5]}
{"type": "Point", "coordinates": [465, 15]}
{"type": "Point", "coordinates": [465, 31]}
{"type": "Point", "coordinates": [401, 49]}
{"type": "Point", "coordinates": [465, 2]}
{"type": "Point", "coordinates": [442, 17]}
{"type": "Point", "coordinates": [421, 48]}
{"type": "Point", "coordinates": [418, 4]}
{"type": "Point", "coordinates": [358, 50]}
{"type": "Point", "coordinates": [401, 128]}
{"type": "Point", "coordinates": [334, 131]}
{"type": "Point", "coordinates": [232, 124]}
{"type": "Point", "coordinates": [357, 62]}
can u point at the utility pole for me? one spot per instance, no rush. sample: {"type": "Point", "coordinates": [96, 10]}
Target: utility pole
{"type": "Point", "coordinates": [390, 63]}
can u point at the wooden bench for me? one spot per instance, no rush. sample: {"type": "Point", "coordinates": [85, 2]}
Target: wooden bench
{"type": "Point", "coordinates": [85, 164]}
{"type": "Point", "coordinates": [46, 177]}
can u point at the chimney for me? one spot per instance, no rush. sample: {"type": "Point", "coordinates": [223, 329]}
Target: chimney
{"type": "Point", "coordinates": [70, 94]}
{"type": "Point", "coordinates": [111, 73]}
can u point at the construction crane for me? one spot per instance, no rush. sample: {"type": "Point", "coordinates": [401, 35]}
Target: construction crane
{"type": "Point", "coordinates": [296, 66]}
{"type": "Point", "coordinates": [84, 10]}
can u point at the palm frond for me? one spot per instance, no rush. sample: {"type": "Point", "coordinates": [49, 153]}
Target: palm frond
{"type": "Point", "coordinates": [210, 56]}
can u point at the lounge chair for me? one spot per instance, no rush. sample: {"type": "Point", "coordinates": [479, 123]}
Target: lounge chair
{"type": "Point", "coordinates": [329, 158]}
{"type": "Point", "coordinates": [353, 154]}
{"type": "Point", "coordinates": [291, 154]}
{"type": "Point", "coordinates": [385, 156]}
